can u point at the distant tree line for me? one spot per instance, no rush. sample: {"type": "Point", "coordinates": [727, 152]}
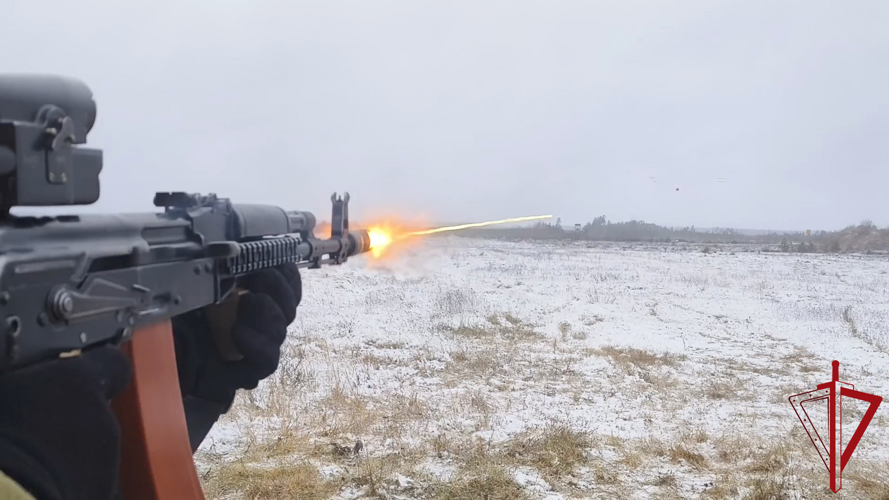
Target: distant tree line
{"type": "Point", "coordinates": [863, 237]}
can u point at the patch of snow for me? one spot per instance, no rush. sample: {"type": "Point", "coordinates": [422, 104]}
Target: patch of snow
{"type": "Point", "coordinates": [756, 323]}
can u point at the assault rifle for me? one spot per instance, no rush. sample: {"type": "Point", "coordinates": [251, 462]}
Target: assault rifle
{"type": "Point", "coordinates": [69, 283]}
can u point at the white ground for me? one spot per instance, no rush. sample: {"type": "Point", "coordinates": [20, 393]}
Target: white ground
{"type": "Point", "coordinates": [371, 357]}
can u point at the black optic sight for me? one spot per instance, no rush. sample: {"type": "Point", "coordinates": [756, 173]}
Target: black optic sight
{"type": "Point", "coordinates": [41, 120]}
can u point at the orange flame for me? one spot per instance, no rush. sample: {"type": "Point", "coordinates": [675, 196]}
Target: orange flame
{"type": "Point", "coordinates": [379, 240]}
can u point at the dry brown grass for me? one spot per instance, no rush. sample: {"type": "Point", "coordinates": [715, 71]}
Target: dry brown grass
{"type": "Point", "coordinates": [591, 320]}
{"type": "Point", "coordinates": [730, 388]}
{"type": "Point", "coordinates": [740, 464]}
{"type": "Point", "coordinates": [632, 459]}
{"type": "Point", "coordinates": [769, 488]}
{"type": "Point", "coordinates": [480, 402]}
{"type": "Point", "coordinates": [800, 355]}
{"type": "Point", "coordinates": [520, 332]}
{"type": "Point", "coordinates": [248, 480]}
{"type": "Point", "coordinates": [512, 319]}
{"type": "Point", "coordinates": [665, 480]}
{"type": "Point", "coordinates": [696, 435]}
{"type": "Point", "coordinates": [489, 482]}
{"type": "Point", "coordinates": [649, 371]}
{"type": "Point", "coordinates": [868, 479]}
{"type": "Point", "coordinates": [679, 453]}
{"type": "Point", "coordinates": [341, 412]}
{"type": "Point", "coordinates": [376, 361]}
{"type": "Point", "coordinates": [725, 487]}
{"type": "Point", "coordinates": [661, 382]}
{"type": "Point", "coordinates": [769, 461]}
{"type": "Point", "coordinates": [442, 445]}
{"type": "Point", "coordinates": [280, 394]}
{"type": "Point", "coordinates": [733, 448]}
{"type": "Point", "coordinates": [375, 474]}
{"type": "Point", "coordinates": [784, 469]}
{"type": "Point", "coordinates": [555, 450]}
{"type": "Point", "coordinates": [474, 363]}
{"type": "Point", "coordinates": [811, 368]}
{"type": "Point", "coordinates": [244, 481]}
{"type": "Point", "coordinates": [287, 440]}
{"type": "Point", "coordinates": [628, 358]}
{"type": "Point", "coordinates": [386, 344]}
{"type": "Point", "coordinates": [784, 391]}
{"type": "Point", "coordinates": [472, 331]}
{"type": "Point", "coordinates": [345, 415]}
{"type": "Point", "coordinates": [604, 473]}
{"type": "Point", "coordinates": [771, 369]}
{"type": "Point", "coordinates": [514, 330]}
{"type": "Point", "coordinates": [802, 360]}
{"type": "Point", "coordinates": [406, 407]}
{"type": "Point", "coordinates": [613, 441]}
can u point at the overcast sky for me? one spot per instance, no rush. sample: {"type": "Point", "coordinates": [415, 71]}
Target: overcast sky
{"type": "Point", "coordinates": [473, 110]}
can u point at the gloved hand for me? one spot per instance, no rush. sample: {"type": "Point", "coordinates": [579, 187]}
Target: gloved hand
{"type": "Point", "coordinates": [58, 436]}
{"type": "Point", "coordinates": [260, 327]}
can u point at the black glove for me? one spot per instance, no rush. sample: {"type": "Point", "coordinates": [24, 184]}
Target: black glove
{"type": "Point", "coordinates": [207, 382]}
{"type": "Point", "coordinates": [58, 436]}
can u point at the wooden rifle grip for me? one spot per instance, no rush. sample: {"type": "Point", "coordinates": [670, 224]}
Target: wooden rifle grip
{"type": "Point", "coordinates": [156, 458]}
{"type": "Point", "coordinates": [221, 317]}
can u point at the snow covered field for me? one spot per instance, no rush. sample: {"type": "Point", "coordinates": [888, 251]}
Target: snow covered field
{"type": "Point", "coordinates": [469, 368]}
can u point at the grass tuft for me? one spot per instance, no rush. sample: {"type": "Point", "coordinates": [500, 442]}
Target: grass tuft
{"type": "Point", "coordinates": [555, 450]}
{"type": "Point", "coordinates": [491, 482]}
{"type": "Point", "coordinates": [241, 480]}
